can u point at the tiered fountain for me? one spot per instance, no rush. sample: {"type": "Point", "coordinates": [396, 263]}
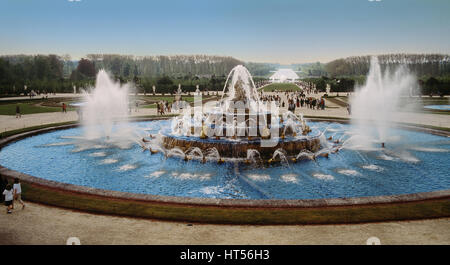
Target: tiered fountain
{"type": "Point", "coordinates": [238, 127]}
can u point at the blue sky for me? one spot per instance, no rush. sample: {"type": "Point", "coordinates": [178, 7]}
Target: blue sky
{"type": "Point", "coordinates": [284, 31]}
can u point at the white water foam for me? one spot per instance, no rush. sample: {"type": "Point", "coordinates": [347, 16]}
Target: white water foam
{"type": "Point", "coordinates": [127, 167]}
{"type": "Point", "coordinates": [407, 157]}
{"type": "Point", "coordinates": [58, 144]}
{"type": "Point", "coordinates": [98, 154]}
{"type": "Point", "coordinates": [88, 147]}
{"type": "Point", "coordinates": [349, 172]}
{"type": "Point", "coordinates": [187, 176]}
{"type": "Point", "coordinates": [373, 167]}
{"type": "Point", "coordinates": [386, 157]}
{"type": "Point", "coordinates": [109, 161]}
{"type": "Point", "coordinates": [428, 149]}
{"type": "Point", "coordinates": [156, 174]}
{"type": "Point", "coordinates": [212, 190]}
{"type": "Point", "coordinates": [323, 176]}
{"type": "Point", "coordinates": [289, 178]}
{"type": "Point", "coordinates": [258, 177]}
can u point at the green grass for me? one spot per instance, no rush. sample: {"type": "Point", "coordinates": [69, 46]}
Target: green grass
{"type": "Point", "coordinates": [281, 87]}
{"type": "Point", "coordinates": [170, 99]}
{"type": "Point", "coordinates": [26, 108]}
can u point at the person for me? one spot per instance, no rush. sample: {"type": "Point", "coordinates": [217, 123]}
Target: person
{"type": "Point", "coordinates": [3, 183]}
{"type": "Point", "coordinates": [137, 105]}
{"type": "Point", "coordinates": [18, 192]}
{"type": "Point", "coordinates": [349, 109]}
{"type": "Point", "coordinates": [18, 115]}
{"type": "Point", "coordinates": [8, 198]}
{"type": "Point", "coordinates": [292, 106]}
{"type": "Point", "coordinates": [162, 107]}
{"type": "Point", "coordinates": [64, 107]}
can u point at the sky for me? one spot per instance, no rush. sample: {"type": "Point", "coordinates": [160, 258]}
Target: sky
{"type": "Point", "coordinates": [277, 31]}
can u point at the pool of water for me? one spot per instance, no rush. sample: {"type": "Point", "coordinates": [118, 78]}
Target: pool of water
{"type": "Point", "coordinates": [411, 162]}
{"type": "Point", "coordinates": [77, 104]}
{"type": "Point", "coordinates": [438, 107]}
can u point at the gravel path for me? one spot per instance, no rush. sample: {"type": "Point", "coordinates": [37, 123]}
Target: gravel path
{"type": "Point", "coordinates": [38, 224]}
{"type": "Point", "coordinates": [8, 122]}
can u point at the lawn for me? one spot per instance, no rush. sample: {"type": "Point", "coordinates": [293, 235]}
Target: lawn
{"type": "Point", "coordinates": [26, 108]}
{"type": "Point", "coordinates": [170, 99]}
{"type": "Point", "coordinates": [281, 87]}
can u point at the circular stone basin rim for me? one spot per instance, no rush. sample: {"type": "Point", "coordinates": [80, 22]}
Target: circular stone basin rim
{"type": "Point", "coordinates": [265, 203]}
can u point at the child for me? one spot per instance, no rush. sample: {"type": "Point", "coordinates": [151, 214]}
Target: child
{"type": "Point", "coordinates": [18, 192]}
{"type": "Point", "coordinates": [8, 198]}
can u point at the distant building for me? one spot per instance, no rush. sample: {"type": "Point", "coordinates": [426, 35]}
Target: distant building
{"type": "Point", "coordinates": [284, 76]}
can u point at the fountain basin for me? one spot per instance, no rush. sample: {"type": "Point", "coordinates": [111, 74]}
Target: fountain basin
{"type": "Point", "coordinates": [221, 210]}
{"type": "Point", "coordinates": [437, 107]}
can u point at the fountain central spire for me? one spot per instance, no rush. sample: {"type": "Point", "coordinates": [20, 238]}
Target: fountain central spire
{"type": "Point", "coordinates": [240, 86]}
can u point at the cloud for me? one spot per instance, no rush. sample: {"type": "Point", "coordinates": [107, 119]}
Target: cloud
{"type": "Point", "coordinates": [74, 0]}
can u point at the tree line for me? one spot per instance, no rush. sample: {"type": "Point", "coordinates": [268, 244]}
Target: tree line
{"type": "Point", "coordinates": [19, 74]}
{"type": "Point", "coordinates": [419, 64]}
{"type": "Point", "coordinates": [52, 73]}
{"type": "Point", "coordinates": [432, 71]}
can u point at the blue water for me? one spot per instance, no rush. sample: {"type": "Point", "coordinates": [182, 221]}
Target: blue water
{"type": "Point", "coordinates": [412, 162]}
{"type": "Point", "coordinates": [438, 107]}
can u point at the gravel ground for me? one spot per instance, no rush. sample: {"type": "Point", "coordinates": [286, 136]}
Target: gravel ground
{"type": "Point", "coordinates": [39, 224]}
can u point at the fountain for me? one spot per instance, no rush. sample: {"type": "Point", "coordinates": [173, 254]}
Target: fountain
{"type": "Point", "coordinates": [108, 101]}
{"type": "Point", "coordinates": [240, 122]}
{"type": "Point", "coordinates": [375, 104]}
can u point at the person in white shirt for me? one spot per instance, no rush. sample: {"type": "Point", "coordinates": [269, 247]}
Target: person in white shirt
{"type": "Point", "coordinates": [18, 192]}
{"type": "Point", "coordinates": [8, 192]}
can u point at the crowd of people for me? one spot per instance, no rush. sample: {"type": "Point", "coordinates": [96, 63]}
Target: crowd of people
{"type": "Point", "coordinates": [275, 98]}
{"type": "Point", "coordinates": [262, 83]}
{"type": "Point", "coordinates": [163, 107]}
{"type": "Point", "coordinates": [296, 100]}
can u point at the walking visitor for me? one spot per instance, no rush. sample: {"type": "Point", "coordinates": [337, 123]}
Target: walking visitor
{"type": "Point", "coordinates": [18, 192]}
{"type": "Point", "coordinates": [18, 115]}
{"type": "Point", "coordinates": [8, 192]}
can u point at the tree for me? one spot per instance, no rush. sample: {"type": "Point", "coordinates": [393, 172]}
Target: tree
{"type": "Point", "coordinates": [321, 85]}
{"type": "Point", "coordinates": [86, 68]}
{"type": "Point", "coordinates": [165, 80]}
